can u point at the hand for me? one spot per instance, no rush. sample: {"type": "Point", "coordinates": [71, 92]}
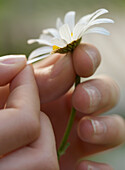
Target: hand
{"type": "Point", "coordinates": [90, 133]}
{"type": "Point", "coordinates": [26, 137]}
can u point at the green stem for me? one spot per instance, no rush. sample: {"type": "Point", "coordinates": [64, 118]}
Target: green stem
{"type": "Point", "coordinates": [64, 145]}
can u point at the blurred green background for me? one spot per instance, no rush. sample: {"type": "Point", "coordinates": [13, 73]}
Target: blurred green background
{"type": "Point", "coordinates": [21, 20]}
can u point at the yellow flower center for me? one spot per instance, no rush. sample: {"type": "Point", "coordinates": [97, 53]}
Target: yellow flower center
{"type": "Point", "coordinates": [71, 34]}
{"type": "Point", "coordinates": [55, 47]}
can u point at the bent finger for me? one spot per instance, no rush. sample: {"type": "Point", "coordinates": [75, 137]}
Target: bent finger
{"type": "Point", "coordinates": [102, 130]}
{"type": "Point", "coordinates": [96, 96]}
{"type": "Point", "coordinates": [86, 59]}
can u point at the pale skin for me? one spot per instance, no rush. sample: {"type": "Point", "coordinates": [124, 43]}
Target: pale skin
{"type": "Point", "coordinates": [26, 136]}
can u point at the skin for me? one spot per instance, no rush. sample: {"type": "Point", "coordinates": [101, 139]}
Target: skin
{"type": "Point", "coordinates": [32, 142]}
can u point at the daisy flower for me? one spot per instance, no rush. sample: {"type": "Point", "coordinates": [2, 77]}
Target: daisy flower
{"type": "Point", "coordinates": [67, 35]}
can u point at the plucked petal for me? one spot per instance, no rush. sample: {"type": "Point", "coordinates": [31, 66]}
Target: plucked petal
{"type": "Point", "coordinates": [58, 23]}
{"type": "Point", "coordinates": [65, 33]}
{"type": "Point", "coordinates": [37, 59]}
{"type": "Point", "coordinates": [98, 30]}
{"type": "Point", "coordinates": [70, 20]}
{"type": "Point", "coordinates": [40, 51]}
{"type": "Point", "coordinates": [54, 32]}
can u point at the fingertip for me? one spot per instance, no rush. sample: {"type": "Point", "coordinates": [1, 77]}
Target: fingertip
{"type": "Point", "coordinates": [80, 99]}
{"type": "Point", "coordinates": [96, 95]}
{"type": "Point", "coordinates": [26, 76]}
{"type": "Point", "coordinates": [10, 66]}
{"type": "Point", "coordinates": [86, 59]}
{"type": "Point", "coordinates": [102, 130]}
{"type": "Point", "coordinates": [85, 129]}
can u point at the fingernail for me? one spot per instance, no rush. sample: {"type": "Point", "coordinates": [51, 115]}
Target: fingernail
{"type": "Point", "coordinates": [90, 167]}
{"type": "Point", "coordinates": [93, 57]}
{"type": "Point", "coordinates": [12, 59]}
{"type": "Point", "coordinates": [94, 97]}
{"type": "Point", "coordinates": [90, 129]}
{"type": "Point", "coordinates": [99, 127]}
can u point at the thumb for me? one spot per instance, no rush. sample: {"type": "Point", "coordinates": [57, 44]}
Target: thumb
{"type": "Point", "coordinates": [46, 145]}
{"type": "Point", "coordinates": [41, 154]}
{"type": "Point", "coordinates": [10, 65]}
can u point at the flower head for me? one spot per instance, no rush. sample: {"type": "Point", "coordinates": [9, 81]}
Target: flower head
{"type": "Point", "coordinates": [67, 35]}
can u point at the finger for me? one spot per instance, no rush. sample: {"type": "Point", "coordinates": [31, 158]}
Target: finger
{"type": "Point", "coordinates": [86, 165]}
{"type": "Point", "coordinates": [96, 96]}
{"type": "Point", "coordinates": [50, 60]}
{"type": "Point", "coordinates": [39, 155]}
{"type": "Point", "coordinates": [56, 79]}
{"type": "Point", "coordinates": [86, 59]}
{"type": "Point", "coordinates": [102, 130]}
{"type": "Point", "coordinates": [53, 81]}
{"type": "Point", "coordinates": [9, 67]}
{"type": "Point", "coordinates": [19, 122]}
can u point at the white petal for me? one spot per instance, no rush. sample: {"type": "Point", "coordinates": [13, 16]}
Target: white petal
{"type": "Point", "coordinates": [31, 41]}
{"type": "Point", "coordinates": [85, 19]}
{"type": "Point", "coordinates": [101, 21]}
{"type": "Point", "coordinates": [45, 37]}
{"type": "Point", "coordinates": [70, 19]}
{"type": "Point", "coordinates": [65, 33]}
{"type": "Point", "coordinates": [98, 30]}
{"type": "Point", "coordinates": [58, 42]}
{"type": "Point", "coordinates": [95, 22]}
{"type": "Point", "coordinates": [84, 28]}
{"type": "Point", "coordinates": [58, 23]}
{"type": "Point", "coordinates": [54, 32]}
{"type": "Point", "coordinates": [36, 59]}
{"type": "Point", "coordinates": [99, 12]}
{"type": "Point", "coordinates": [40, 51]}
{"type": "Point", "coordinates": [40, 41]}
{"type": "Point", "coordinates": [77, 31]}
